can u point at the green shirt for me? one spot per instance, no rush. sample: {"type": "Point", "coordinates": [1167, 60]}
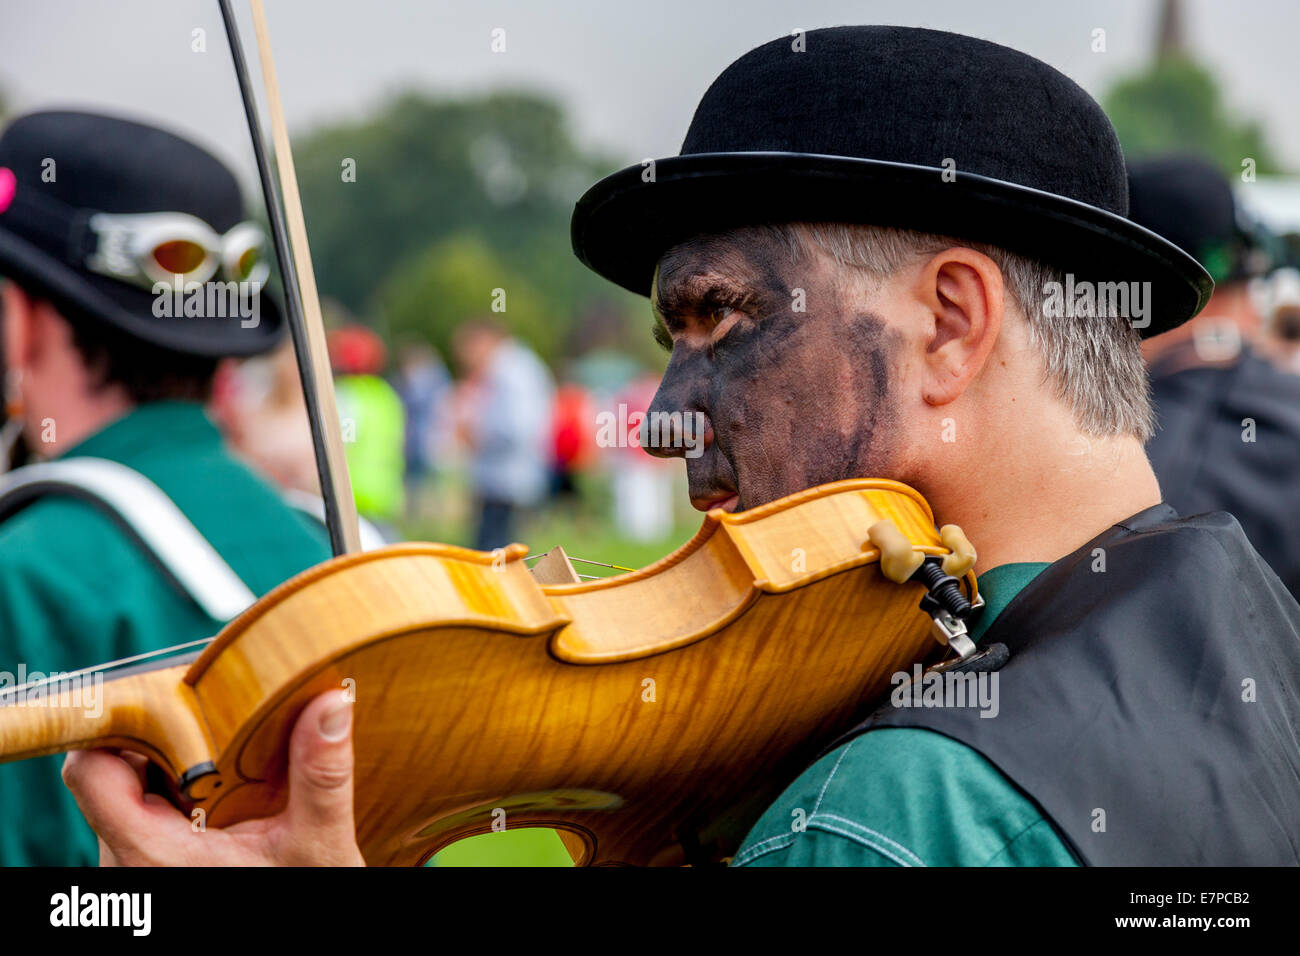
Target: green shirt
{"type": "Point", "coordinates": [909, 797]}
{"type": "Point", "coordinates": [75, 591]}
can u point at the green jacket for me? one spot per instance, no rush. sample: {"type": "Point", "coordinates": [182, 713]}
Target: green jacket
{"type": "Point", "coordinates": [76, 591]}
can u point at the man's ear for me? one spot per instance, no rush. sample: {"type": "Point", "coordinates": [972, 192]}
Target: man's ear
{"type": "Point", "coordinates": [962, 291]}
{"type": "Point", "coordinates": [15, 324]}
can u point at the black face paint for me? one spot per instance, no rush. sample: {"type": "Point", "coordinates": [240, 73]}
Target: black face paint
{"type": "Point", "coordinates": [795, 399]}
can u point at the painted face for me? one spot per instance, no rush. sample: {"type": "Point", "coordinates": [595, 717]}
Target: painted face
{"type": "Point", "coordinates": [790, 382]}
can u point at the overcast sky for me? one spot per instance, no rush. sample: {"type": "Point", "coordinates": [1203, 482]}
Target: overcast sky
{"type": "Point", "coordinates": [630, 71]}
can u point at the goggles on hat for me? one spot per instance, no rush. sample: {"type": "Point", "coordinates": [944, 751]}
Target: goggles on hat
{"type": "Point", "coordinates": [145, 248]}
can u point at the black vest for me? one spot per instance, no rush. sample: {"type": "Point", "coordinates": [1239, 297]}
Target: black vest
{"type": "Point", "coordinates": [1129, 692]}
{"type": "Point", "coordinates": [1204, 464]}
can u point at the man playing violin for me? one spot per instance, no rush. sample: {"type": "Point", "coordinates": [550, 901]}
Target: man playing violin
{"type": "Point", "coordinates": [903, 253]}
{"type": "Point", "coordinates": [105, 379]}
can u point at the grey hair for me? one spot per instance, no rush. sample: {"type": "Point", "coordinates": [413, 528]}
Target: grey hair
{"type": "Point", "coordinates": [1094, 365]}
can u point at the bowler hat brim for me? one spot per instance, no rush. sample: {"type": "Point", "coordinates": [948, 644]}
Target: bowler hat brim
{"type": "Point", "coordinates": [130, 309]}
{"type": "Point", "coordinates": [624, 224]}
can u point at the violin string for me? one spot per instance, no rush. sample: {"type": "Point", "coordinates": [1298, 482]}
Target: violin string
{"type": "Point", "coordinates": [110, 665]}
{"type": "Point", "coordinates": [572, 557]}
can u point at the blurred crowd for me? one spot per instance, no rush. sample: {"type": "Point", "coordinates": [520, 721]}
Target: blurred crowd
{"type": "Point", "coordinates": [489, 424]}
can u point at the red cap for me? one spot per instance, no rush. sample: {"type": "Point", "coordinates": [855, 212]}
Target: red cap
{"type": "Point", "coordinates": [356, 350]}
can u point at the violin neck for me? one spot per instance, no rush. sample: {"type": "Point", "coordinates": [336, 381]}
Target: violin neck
{"type": "Point", "coordinates": [153, 712]}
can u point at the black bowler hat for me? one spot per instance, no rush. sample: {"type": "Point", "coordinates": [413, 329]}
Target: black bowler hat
{"type": "Point", "coordinates": [857, 129]}
{"type": "Point", "coordinates": [103, 164]}
{"type": "Point", "coordinates": [1189, 201]}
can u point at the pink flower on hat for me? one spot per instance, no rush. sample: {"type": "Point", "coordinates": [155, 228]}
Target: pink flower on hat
{"type": "Point", "coordinates": [8, 186]}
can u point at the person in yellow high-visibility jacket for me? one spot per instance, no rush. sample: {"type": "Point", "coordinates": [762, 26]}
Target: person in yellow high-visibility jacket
{"type": "Point", "coordinates": [372, 420]}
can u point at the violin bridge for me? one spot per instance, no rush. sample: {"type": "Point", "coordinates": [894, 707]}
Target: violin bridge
{"type": "Point", "coordinates": [554, 567]}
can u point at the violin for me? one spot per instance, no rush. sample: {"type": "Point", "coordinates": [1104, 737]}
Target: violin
{"type": "Point", "coordinates": [649, 717]}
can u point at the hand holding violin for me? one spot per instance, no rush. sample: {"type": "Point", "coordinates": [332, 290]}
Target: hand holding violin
{"type": "Point", "coordinates": [316, 828]}
{"type": "Point", "coordinates": [611, 681]}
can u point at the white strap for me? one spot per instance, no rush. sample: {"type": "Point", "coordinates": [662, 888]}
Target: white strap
{"type": "Point", "coordinates": [314, 506]}
{"type": "Point", "coordinates": [147, 511]}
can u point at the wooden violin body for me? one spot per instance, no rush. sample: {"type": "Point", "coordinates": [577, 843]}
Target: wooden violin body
{"type": "Point", "coordinates": [650, 717]}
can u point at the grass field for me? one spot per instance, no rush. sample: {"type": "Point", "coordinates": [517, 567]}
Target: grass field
{"type": "Point", "coordinates": [527, 846]}
{"type": "Point", "coordinates": [584, 529]}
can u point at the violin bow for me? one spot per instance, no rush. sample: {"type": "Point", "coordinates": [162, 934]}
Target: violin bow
{"type": "Point", "coordinates": [302, 304]}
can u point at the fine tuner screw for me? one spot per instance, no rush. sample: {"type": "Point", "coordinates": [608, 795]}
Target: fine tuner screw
{"type": "Point", "coordinates": [944, 588]}
{"type": "Point", "coordinates": [900, 562]}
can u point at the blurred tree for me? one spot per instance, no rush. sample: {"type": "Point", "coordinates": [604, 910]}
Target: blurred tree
{"type": "Point", "coordinates": [457, 279]}
{"type": "Point", "coordinates": [1176, 105]}
{"type": "Point", "coordinates": [381, 194]}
